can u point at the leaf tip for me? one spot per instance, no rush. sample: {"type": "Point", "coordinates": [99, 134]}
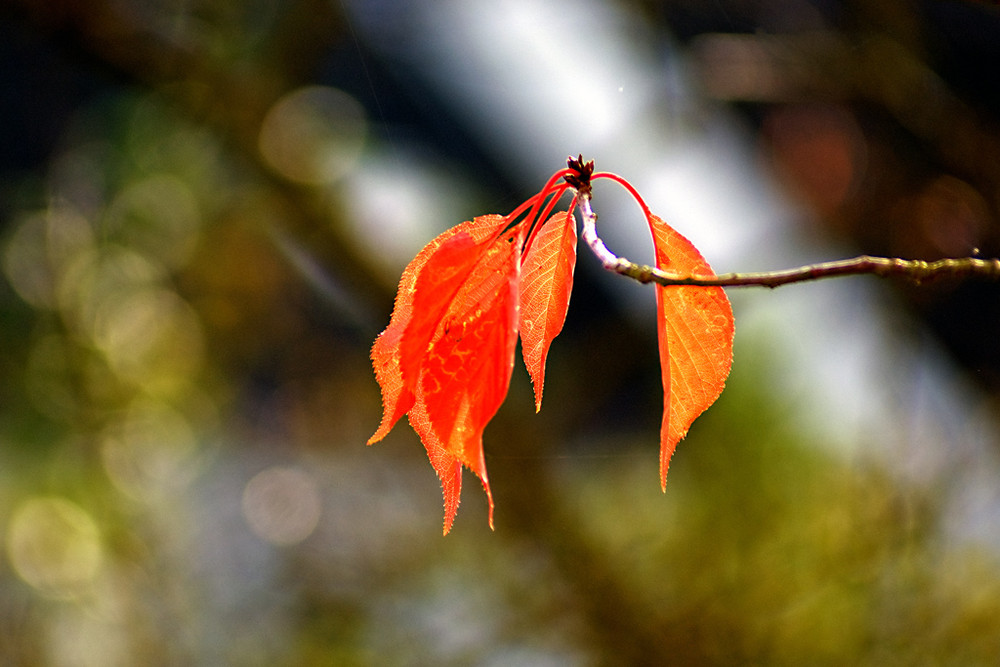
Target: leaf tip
{"type": "Point", "coordinates": [489, 498]}
{"type": "Point", "coordinates": [666, 453]}
{"type": "Point", "coordinates": [450, 510]}
{"type": "Point", "coordinates": [381, 432]}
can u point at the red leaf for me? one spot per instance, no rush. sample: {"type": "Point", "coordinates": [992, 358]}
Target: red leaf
{"type": "Point", "coordinates": [447, 466]}
{"type": "Point", "coordinates": [397, 395]}
{"type": "Point", "coordinates": [445, 360]}
{"type": "Point", "coordinates": [695, 331]}
{"type": "Point", "coordinates": [447, 355]}
{"type": "Point", "coordinates": [466, 370]}
{"type": "Point", "coordinates": [546, 284]}
{"type": "Point", "coordinates": [444, 274]}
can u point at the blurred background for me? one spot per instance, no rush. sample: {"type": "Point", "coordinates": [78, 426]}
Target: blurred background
{"type": "Point", "coordinates": [205, 206]}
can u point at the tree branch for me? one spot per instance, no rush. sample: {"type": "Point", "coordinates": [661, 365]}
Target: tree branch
{"type": "Point", "coordinates": [913, 270]}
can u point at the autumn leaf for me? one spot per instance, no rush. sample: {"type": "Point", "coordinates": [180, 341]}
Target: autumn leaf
{"type": "Point", "coordinates": [466, 369]}
{"type": "Point", "coordinates": [546, 284]}
{"type": "Point", "coordinates": [695, 330]}
{"type": "Point", "coordinates": [468, 366]}
{"type": "Point", "coordinates": [447, 465]}
{"type": "Point", "coordinates": [398, 396]}
{"type": "Point", "coordinates": [446, 357]}
{"type": "Point", "coordinates": [434, 293]}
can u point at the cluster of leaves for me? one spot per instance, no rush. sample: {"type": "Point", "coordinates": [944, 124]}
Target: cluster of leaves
{"type": "Point", "coordinates": [446, 358]}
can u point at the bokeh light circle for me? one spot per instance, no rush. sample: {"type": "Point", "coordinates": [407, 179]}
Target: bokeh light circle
{"type": "Point", "coordinates": [313, 135]}
{"type": "Point", "coordinates": [282, 505]}
{"type": "Point", "coordinates": [54, 545]}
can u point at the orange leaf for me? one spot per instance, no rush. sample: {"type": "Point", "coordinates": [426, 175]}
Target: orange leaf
{"type": "Point", "coordinates": [447, 466]}
{"type": "Point", "coordinates": [466, 370]}
{"type": "Point", "coordinates": [546, 284]}
{"type": "Point", "coordinates": [446, 357]}
{"type": "Point", "coordinates": [397, 395]}
{"type": "Point", "coordinates": [437, 286]}
{"type": "Point", "coordinates": [695, 331]}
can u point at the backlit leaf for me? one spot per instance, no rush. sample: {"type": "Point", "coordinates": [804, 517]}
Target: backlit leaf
{"type": "Point", "coordinates": [546, 284]}
{"type": "Point", "coordinates": [447, 466]}
{"type": "Point", "coordinates": [397, 395]}
{"type": "Point", "coordinates": [446, 357]}
{"type": "Point", "coordinates": [695, 333]}
{"type": "Point", "coordinates": [445, 360]}
{"type": "Point", "coordinates": [466, 370]}
{"type": "Point", "coordinates": [440, 280]}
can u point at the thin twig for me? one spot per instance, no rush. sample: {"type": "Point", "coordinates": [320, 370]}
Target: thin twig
{"type": "Point", "coordinates": [908, 269]}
